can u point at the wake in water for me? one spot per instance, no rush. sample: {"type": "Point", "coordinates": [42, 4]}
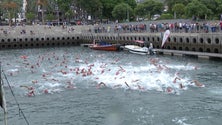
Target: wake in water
{"type": "Point", "coordinates": [50, 73]}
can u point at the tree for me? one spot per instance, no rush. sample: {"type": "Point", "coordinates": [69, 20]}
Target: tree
{"type": "Point", "coordinates": [197, 9]}
{"type": "Point", "coordinates": [178, 9]}
{"type": "Point", "coordinates": [121, 10]}
{"type": "Point", "coordinates": [91, 7]}
{"type": "Point", "coordinates": [64, 6]}
{"type": "Point", "coordinates": [69, 14]}
{"type": "Point", "coordinates": [219, 7]}
{"type": "Point", "coordinates": [108, 6]}
{"type": "Point", "coordinates": [148, 8]}
{"type": "Point", "coordinates": [30, 16]}
{"type": "Point", "coordinates": [171, 3]}
{"type": "Point", "coordinates": [131, 3]}
{"type": "Point", "coordinates": [219, 10]}
{"type": "Point", "coordinates": [11, 7]}
{"type": "Point", "coordinates": [50, 17]}
{"type": "Point", "coordinates": [140, 10]}
{"type": "Point", "coordinates": [42, 5]}
{"type": "Point", "coordinates": [214, 6]}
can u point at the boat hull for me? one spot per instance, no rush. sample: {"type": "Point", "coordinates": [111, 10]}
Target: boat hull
{"type": "Point", "coordinates": [105, 47]}
{"type": "Point", "coordinates": [137, 50]}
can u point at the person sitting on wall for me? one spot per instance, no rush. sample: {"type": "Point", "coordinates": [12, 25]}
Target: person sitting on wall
{"type": "Point", "coordinates": [32, 32]}
{"type": "Point", "coordinates": [23, 32]}
{"type": "Point", "coordinates": [5, 32]}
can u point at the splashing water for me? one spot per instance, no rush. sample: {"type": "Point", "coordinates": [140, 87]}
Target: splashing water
{"type": "Point", "coordinates": [52, 72]}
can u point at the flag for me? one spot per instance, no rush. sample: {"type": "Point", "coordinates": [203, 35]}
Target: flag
{"type": "Point", "coordinates": [165, 37]}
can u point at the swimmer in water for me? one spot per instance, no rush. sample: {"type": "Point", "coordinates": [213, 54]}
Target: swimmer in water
{"type": "Point", "coordinates": [100, 85]}
{"type": "Point", "coordinates": [169, 90]}
{"type": "Point", "coordinates": [30, 89]}
{"type": "Point", "coordinates": [175, 80]}
{"type": "Point", "coordinates": [127, 85]}
{"type": "Point", "coordinates": [197, 83]}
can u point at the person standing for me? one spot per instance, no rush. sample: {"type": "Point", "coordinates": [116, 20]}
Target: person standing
{"type": "Point", "coordinates": [151, 49]}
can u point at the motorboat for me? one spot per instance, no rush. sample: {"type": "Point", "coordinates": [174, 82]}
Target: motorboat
{"type": "Point", "coordinates": [137, 49]}
{"type": "Point", "coordinates": [101, 45]}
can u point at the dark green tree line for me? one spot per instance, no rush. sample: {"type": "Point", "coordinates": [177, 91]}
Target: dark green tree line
{"type": "Point", "coordinates": [111, 9]}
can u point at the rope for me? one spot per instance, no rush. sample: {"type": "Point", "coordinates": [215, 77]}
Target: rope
{"type": "Point", "coordinates": [20, 110]}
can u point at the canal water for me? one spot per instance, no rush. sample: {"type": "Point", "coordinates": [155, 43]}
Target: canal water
{"type": "Point", "coordinates": [80, 86]}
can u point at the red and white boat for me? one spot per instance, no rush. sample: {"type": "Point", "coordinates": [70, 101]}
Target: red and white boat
{"type": "Point", "coordinates": [104, 46]}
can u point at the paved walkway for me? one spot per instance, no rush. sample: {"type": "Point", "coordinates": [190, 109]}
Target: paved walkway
{"type": "Point", "coordinates": [199, 54]}
{"type": "Point", "coordinates": [40, 30]}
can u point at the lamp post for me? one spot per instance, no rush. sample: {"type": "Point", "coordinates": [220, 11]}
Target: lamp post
{"type": "Point", "coordinates": [127, 11]}
{"type": "Point", "coordinates": [57, 11]}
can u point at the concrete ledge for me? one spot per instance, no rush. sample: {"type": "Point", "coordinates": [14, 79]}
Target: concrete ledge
{"type": "Point", "coordinates": [199, 54]}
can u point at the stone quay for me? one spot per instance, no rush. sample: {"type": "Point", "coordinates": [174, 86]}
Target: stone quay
{"type": "Point", "coordinates": [207, 45]}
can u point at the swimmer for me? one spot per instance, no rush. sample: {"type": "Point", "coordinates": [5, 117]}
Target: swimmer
{"type": "Point", "coordinates": [175, 80]}
{"type": "Point", "coordinates": [169, 90]}
{"type": "Point", "coordinates": [100, 85]}
{"type": "Point", "coordinates": [140, 87]}
{"type": "Point", "coordinates": [135, 80]}
{"type": "Point", "coordinates": [46, 91]}
{"type": "Point", "coordinates": [197, 83]}
{"type": "Point", "coordinates": [24, 57]}
{"type": "Point", "coordinates": [181, 86]}
{"type": "Point", "coordinates": [127, 85]}
{"type": "Point", "coordinates": [30, 90]}
{"type": "Point", "coordinates": [34, 81]}
{"type": "Point", "coordinates": [117, 86]}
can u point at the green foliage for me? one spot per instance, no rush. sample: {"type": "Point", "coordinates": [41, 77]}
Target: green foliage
{"type": "Point", "coordinates": [166, 16]}
{"type": "Point", "coordinates": [171, 3]}
{"type": "Point", "coordinates": [140, 10]}
{"type": "Point", "coordinates": [92, 7]}
{"type": "Point", "coordinates": [50, 17]}
{"type": "Point", "coordinates": [121, 10]}
{"type": "Point", "coordinates": [149, 7]}
{"type": "Point", "coordinates": [116, 9]}
{"type": "Point", "coordinates": [64, 5]}
{"type": "Point", "coordinates": [108, 6]}
{"type": "Point", "coordinates": [196, 8]}
{"type": "Point", "coordinates": [30, 16]}
{"type": "Point", "coordinates": [131, 3]}
{"type": "Point", "coordinates": [179, 9]}
{"type": "Point", "coordinates": [213, 5]}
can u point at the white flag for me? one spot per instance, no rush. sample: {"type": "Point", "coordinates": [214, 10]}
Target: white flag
{"type": "Point", "coordinates": [165, 37]}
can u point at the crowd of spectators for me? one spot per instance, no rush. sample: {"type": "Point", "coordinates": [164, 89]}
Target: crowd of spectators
{"type": "Point", "coordinates": [154, 27]}
{"type": "Point", "coordinates": [132, 27]}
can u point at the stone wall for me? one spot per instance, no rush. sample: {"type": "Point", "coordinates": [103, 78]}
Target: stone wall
{"type": "Point", "coordinates": [45, 36]}
{"type": "Point", "coordinates": [197, 42]}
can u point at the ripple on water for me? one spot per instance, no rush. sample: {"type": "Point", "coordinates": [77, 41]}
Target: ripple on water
{"type": "Point", "coordinates": [135, 91]}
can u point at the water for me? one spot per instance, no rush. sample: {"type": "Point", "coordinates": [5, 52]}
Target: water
{"type": "Point", "coordinates": [137, 90]}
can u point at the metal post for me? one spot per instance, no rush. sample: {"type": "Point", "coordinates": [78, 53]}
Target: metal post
{"type": "Point", "coordinates": [3, 102]}
{"type": "Point", "coordinates": [128, 11]}
{"type": "Point", "coordinates": [57, 10]}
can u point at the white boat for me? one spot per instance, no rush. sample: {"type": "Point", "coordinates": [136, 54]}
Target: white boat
{"type": "Point", "coordinates": [137, 49]}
